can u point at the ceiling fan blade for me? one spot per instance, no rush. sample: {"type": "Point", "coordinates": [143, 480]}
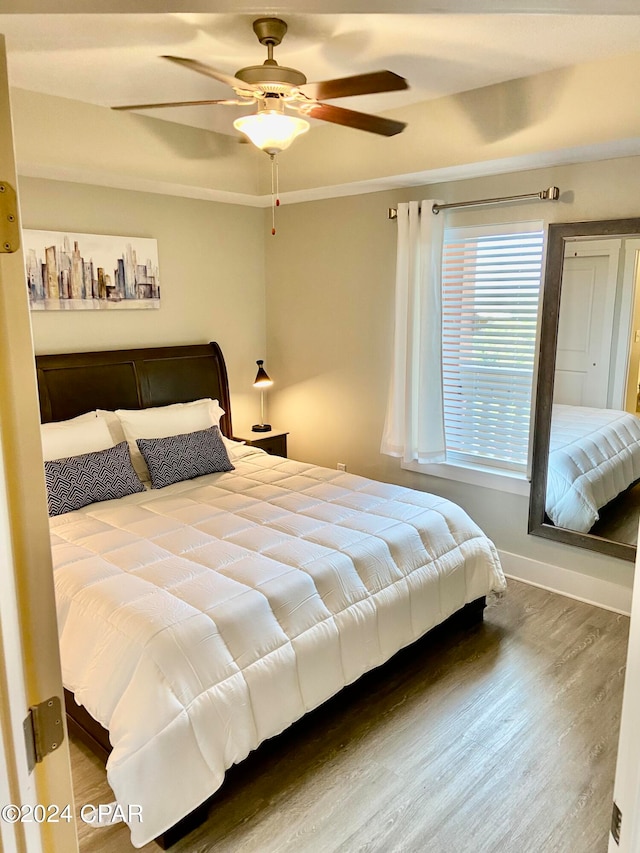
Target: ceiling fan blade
{"type": "Point", "coordinates": [207, 70]}
{"type": "Point", "coordinates": [229, 102]}
{"type": "Point", "coordinates": [351, 118]}
{"type": "Point", "coordinates": [359, 84]}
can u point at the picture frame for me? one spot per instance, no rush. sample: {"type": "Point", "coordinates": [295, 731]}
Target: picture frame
{"type": "Point", "coordinates": [70, 271]}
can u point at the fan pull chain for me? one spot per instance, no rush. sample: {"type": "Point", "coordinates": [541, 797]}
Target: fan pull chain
{"type": "Point", "coordinates": [275, 201]}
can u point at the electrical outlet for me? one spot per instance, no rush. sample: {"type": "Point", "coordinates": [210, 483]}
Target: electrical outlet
{"type": "Point", "coordinates": [342, 466]}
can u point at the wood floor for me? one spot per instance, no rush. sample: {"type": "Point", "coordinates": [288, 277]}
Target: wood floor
{"type": "Point", "coordinates": [619, 518]}
{"type": "Point", "coordinates": [498, 740]}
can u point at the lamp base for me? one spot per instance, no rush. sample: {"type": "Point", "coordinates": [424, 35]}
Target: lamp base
{"type": "Point", "coordinates": [261, 428]}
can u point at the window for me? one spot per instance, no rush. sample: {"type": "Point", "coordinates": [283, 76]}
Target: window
{"type": "Point", "coordinates": [490, 292]}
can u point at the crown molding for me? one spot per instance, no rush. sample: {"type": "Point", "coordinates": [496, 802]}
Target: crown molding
{"type": "Point", "coordinates": [545, 159]}
{"type": "Point", "coordinates": [96, 177]}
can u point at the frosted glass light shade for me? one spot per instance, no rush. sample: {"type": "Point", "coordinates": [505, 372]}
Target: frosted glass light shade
{"type": "Point", "coordinates": [270, 130]}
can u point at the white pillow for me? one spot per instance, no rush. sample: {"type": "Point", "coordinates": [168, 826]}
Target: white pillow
{"type": "Point", "coordinates": [84, 434]}
{"type": "Point", "coordinates": [113, 422]}
{"type": "Point", "coordinates": [164, 421]}
{"type": "Point", "coordinates": [216, 412]}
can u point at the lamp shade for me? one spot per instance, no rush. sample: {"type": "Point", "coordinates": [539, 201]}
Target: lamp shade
{"type": "Point", "coordinates": [262, 379]}
{"type": "Point", "coordinates": [271, 130]}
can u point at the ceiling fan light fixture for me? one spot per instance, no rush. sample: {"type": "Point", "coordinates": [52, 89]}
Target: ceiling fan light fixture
{"type": "Point", "coordinates": [271, 130]}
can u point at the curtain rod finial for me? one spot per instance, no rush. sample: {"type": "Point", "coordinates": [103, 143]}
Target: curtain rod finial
{"type": "Point", "coordinates": [552, 194]}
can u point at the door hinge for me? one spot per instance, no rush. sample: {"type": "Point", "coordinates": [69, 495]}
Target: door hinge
{"type": "Point", "coordinates": [9, 228]}
{"type": "Point", "coordinates": [43, 730]}
{"type": "Point", "coordinates": [616, 822]}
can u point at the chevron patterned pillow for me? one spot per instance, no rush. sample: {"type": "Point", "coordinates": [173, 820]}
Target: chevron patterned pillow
{"type": "Point", "coordinates": [183, 457]}
{"type": "Point", "coordinates": [77, 481]}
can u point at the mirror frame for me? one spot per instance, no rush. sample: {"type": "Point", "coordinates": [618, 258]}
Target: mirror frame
{"type": "Point", "coordinates": [558, 234]}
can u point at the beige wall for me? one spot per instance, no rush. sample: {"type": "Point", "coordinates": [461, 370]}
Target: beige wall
{"type": "Point", "coordinates": [70, 139]}
{"type": "Point", "coordinates": [330, 276]}
{"type": "Point", "coordinates": [211, 259]}
{"type": "Point", "coordinates": [557, 111]}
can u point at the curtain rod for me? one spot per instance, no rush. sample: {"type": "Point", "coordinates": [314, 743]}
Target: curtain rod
{"type": "Point", "coordinates": [550, 194]}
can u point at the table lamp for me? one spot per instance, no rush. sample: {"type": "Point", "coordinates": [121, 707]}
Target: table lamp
{"type": "Point", "coordinates": [262, 381]}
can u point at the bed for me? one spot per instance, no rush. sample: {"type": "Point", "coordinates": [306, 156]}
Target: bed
{"type": "Point", "coordinates": [594, 455]}
{"type": "Point", "coordinates": [199, 619]}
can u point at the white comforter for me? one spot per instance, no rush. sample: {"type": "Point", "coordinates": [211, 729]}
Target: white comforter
{"type": "Point", "coordinates": [594, 454]}
{"type": "Point", "coordinates": [200, 619]}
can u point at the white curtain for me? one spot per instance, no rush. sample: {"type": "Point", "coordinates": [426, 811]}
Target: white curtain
{"type": "Point", "coordinates": [414, 426]}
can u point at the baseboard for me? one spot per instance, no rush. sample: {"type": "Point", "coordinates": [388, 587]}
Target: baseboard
{"type": "Point", "coordinates": [602, 593]}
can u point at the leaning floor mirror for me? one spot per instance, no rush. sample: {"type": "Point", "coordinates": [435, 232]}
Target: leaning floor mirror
{"type": "Point", "coordinates": [585, 484]}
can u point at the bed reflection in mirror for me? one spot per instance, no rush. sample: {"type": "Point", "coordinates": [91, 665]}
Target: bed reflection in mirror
{"type": "Point", "coordinates": [586, 466]}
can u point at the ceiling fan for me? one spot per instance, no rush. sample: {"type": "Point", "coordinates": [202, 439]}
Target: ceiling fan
{"type": "Point", "coordinates": [275, 88]}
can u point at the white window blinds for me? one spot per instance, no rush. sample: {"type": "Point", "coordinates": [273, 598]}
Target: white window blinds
{"type": "Point", "coordinates": [490, 290]}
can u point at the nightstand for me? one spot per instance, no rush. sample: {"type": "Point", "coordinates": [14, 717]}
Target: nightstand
{"type": "Point", "coordinates": [274, 442]}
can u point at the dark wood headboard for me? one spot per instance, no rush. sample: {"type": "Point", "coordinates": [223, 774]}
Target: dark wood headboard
{"type": "Point", "coordinates": [73, 383]}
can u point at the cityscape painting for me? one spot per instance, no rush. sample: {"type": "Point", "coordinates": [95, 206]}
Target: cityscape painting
{"type": "Point", "coordinates": [90, 271]}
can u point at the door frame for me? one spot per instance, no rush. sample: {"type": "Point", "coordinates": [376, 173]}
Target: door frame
{"type": "Point", "coordinates": [627, 360]}
{"type": "Point", "coordinates": [30, 670]}
{"type": "Point", "coordinates": [626, 791]}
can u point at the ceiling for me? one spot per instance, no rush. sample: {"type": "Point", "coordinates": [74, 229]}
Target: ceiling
{"type": "Point", "coordinates": [115, 59]}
